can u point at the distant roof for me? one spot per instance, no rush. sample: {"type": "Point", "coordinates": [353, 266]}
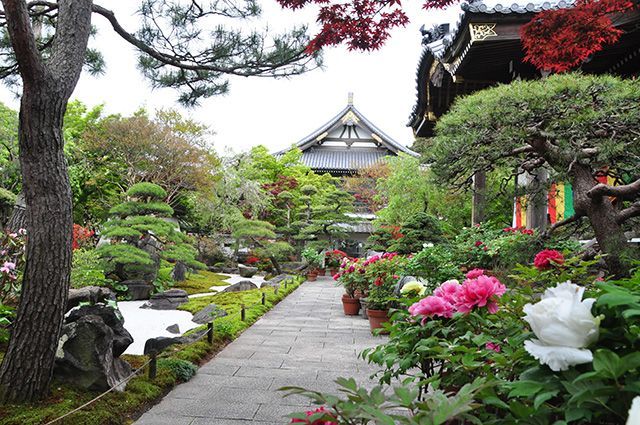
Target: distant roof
{"type": "Point", "coordinates": [346, 143]}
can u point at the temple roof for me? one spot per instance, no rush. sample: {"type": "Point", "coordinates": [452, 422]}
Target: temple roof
{"type": "Point", "coordinates": [347, 143]}
{"type": "Point", "coordinates": [481, 47]}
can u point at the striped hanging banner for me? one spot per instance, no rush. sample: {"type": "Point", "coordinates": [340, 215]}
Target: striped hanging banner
{"type": "Point", "coordinates": [560, 205]}
{"type": "Point", "coordinates": [520, 212]}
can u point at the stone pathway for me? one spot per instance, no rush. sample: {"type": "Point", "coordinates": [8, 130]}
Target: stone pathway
{"type": "Point", "coordinates": [304, 341]}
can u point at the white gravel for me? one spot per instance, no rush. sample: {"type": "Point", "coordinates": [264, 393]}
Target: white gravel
{"type": "Point", "coordinates": [144, 323]}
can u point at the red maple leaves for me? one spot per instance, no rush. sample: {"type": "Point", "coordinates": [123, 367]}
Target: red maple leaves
{"type": "Point", "coordinates": [560, 40]}
{"type": "Point", "coordinates": [555, 40]}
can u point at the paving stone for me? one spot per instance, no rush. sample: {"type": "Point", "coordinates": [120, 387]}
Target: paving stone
{"type": "Point", "coordinates": [304, 341]}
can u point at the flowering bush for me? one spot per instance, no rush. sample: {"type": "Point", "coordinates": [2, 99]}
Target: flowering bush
{"type": "Point", "coordinates": [334, 258]}
{"type": "Point", "coordinates": [11, 264]}
{"type": "Point", "coordinates": [251, 260]}
{"type": "Point", "coordinates": [566, 354]}
{"type": "Point", "coordinates": [382, 273]}
{"type": "Point", "coordinates": [547, 258]}
{"type": "Point", "coordinates": [82, 237]}
{"type": "Point", "coordinates": [352, 276]}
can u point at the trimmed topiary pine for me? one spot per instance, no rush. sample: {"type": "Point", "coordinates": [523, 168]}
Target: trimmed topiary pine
{"type": "Point", "coordinates": [140, 236]}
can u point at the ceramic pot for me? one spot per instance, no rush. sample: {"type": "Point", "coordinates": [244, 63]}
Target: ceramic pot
{"type": "Point", "coordinates": [311, 277]}
{"type": "Point", "coordinates": [377, 318]}
{"type": "Point", "coordinates": [351, 306]}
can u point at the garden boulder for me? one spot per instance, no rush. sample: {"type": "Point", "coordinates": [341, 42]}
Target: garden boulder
{"type": "Point", "coordinates": [208, 313]}
{"type": "Point", "coordinates": [89, 294]}
{"type": "Point", "coordinates": [246, 271]}
{"type": "Point", "coordinates": [91, 341]}
{"type": "Point", "coordinates": [244, 285]}
{"type": "Point", "coordinates": [167, 300]}
{"type": "Point", "coordinates": [138, 289]}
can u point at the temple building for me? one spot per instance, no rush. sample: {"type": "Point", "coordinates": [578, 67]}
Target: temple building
{"type": "Point", "coordinates": [482, 48]}
{"type": "Point", "coordinates": [345, 144]}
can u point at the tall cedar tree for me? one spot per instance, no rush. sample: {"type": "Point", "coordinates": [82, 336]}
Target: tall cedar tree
{"type": "Point", "coordinates": [48, 49]}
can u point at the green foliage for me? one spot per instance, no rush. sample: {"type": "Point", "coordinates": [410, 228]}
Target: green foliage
{"type": "Point", "coordinates": [145, 190]}
{"type": "Point", "coordinates": [404, 405]}
{"type": "Point", "coordinates": [313, 258]}
{"type": "Point", "coordinates": [7, 198]}
{"type": "Point", "coordinates": [418, 229]}
{"type": "Point", "coordinates": [130, 208]}
{"type": "Point", "coordinates": [183, 370]}
{"type": "Point", "coordinates": [124, 254]}
{"type": "Point", "coordinates": [435, 263]}
{"type": "Point", "coordinates": [7, 316]}
{"type": "Point", "coordinates": [201, 282]}
{"type": "Point", "coordinates": [247, 229]}
{"type": "Point", "coordinates": [88, 269]}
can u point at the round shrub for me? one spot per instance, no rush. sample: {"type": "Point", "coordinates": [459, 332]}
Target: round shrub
{"type": "Point", "coordinates": [146, 190]}
{"type": "Point", "coordinates": [181, 369]}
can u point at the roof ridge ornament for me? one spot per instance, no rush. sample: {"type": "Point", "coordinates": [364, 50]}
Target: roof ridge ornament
{"type": "Point", "coordinates": [350, 98]}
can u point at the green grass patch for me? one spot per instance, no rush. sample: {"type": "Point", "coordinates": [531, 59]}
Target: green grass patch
{"type": "Point", "coordinates": [201, 282]}
{"type": "Point", "coordinates": [122, 408]}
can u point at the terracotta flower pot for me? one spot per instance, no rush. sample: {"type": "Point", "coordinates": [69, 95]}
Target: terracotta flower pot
{"type": "Point", "coordinates": [377, 318]}
{"type": "Point", "coordinates": [322, 272]}
{"type": "Point", "coordinates": [311, 277]}
{"type": "Point", "coordinates": [351, 306]}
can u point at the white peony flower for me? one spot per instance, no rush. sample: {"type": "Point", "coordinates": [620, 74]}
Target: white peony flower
{"type": "Point", "coordinates": [564, 325]}
{"type": "Point", "coordinates": [634, 412]}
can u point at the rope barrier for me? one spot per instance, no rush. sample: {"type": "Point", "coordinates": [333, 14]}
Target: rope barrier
{"type": "Point", "coordinates": [134, 373]}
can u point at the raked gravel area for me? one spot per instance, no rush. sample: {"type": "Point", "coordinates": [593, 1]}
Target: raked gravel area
{"type": "Point", "coordinates": [143, 323]}
{"type": "Point", "coordinates": [305, 340]}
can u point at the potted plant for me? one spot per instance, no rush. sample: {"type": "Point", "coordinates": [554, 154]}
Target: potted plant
{"type": "Point", "coordinates": [314, 262]}
{"type": "Point", "coordinates": [352, 277]}
{"type": "Point", "coordinates": [333, 259]}
{"type": "Point", "coordinates": [382, 273]}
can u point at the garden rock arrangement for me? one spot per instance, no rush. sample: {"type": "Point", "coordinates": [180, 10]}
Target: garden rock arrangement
{"type": "Point", "coordinates": [167, 300]}
{"type": "Point", "coordinates": [92, 339]}
{"type": "Point", "coordinates": [246, 271]}
{"type": "Point", "coordinates": [208, 313]}
{"type": "Point", "coordinates": [245, 285]}
{"type": "Point", "coordinates": [89, 294]}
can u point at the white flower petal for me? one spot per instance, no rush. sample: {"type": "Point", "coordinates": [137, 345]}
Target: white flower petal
{"type": "Point", "coordinates": [557, 357]}
{"type": "Point", "coordinates": [634, 412]}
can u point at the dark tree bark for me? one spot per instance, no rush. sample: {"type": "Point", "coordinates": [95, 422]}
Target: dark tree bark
{"type": "Point", "coordinates": [27, 368]}
{"type": "Point", "coordinates": [602, 215]}
{"type": "Point", "coordinates": [18, 218]}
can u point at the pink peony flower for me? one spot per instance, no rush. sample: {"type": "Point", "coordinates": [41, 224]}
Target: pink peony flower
{"type": "Point", "coordinates": [316, 422]}
{"type": "Point", "coordinates": [548, 257]}
{"type": "Point", "coordinates": [22, 231]}
{"type": "Point", "coordinates": [481, 292]}
{"type": "Point", "coordinates": [8, 267]}
{"type": "Point", "coordinates": [432, 306]}
{"type": "Point", "coordinates": [493, 347]}
{"type": "Point", "coordinates": [351, 269]}
{"type": "Point", "coordinates": [448, 291]}
{"type": "Point", "coordinates": [336, 276]}
{"type": "Point", "coordinates": [472, 274]}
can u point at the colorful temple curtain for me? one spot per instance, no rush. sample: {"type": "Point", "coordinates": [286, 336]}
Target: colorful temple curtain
{"type": "Point", "coordinates": [520, 212]}
{"type": "Point", "coordinates": [560, 204]}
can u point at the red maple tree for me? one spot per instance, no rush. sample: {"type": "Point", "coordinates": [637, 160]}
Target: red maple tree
{"type": "Point", "coordinates": [554, 40]}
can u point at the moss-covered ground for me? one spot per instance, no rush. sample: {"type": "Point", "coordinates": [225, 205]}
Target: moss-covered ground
{"type": "Point", "coordinates": [201, 282]}
{"type": "Point", "coordinates": [141, 392]}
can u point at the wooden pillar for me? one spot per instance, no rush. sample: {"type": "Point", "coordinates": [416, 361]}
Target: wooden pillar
{"type": "Point", "coordinates": [479, 197]}
{"type": "Point", "coordinates": [537, 206]}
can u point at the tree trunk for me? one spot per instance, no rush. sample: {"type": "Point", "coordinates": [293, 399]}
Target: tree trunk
{"type": "Point", "coordinates": [602, 216]}
{"type": "Point", "coordinates": [18, 218]}
{"type": "Point", "coordinates": [27, 367]}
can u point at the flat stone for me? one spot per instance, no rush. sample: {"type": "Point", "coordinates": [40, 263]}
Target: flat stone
{"type": "Point", "coordinates": [208, 313]}
{"type": "Point", "coordinates": [245, 285]}
{"type": "Point", "coordinates": [167, 300]}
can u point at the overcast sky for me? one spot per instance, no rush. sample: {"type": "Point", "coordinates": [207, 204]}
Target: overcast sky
{"type": "Point", "coordinates": [276, 113]}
